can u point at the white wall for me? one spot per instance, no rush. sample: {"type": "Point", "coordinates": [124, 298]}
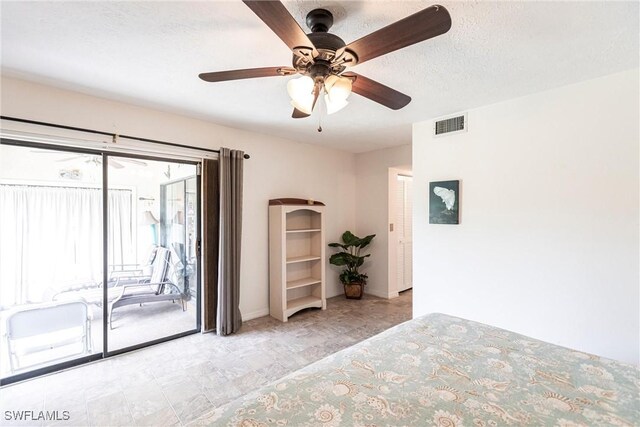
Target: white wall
{"type": "Point", "coordinates": [548, 240]}
{"type": "Point", "coordinates": [277, 168]}
{"type": "Point", "coordinates": [372, 207]}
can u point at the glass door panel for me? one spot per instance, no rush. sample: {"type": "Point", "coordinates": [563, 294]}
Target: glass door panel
{"type": "Point", "coordinates": [178, 207]}
{"type": "Point", "coordinates": [191, 197]}
{"type": "Point", "coordinates": [152, 286]}
{"type": "Point", "coordinates": [50, 258]}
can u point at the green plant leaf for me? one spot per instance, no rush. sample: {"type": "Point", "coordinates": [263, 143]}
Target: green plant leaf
{"type": "Point", "coordinates": [343, 258]}
{"type": "Point", "coordinates": [349, 238]}
{"type": "Point", "coordinates": [338, 245]}
{"type": "Point", "coordinates": [364, 242]}
{"type": "Point", "coordinates": [337, 259]}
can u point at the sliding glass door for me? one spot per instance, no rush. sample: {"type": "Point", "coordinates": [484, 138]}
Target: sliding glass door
{"type": "Point", "coordinates": [98, 255]}
{"type": "Point", "coordinates": [153, 269]}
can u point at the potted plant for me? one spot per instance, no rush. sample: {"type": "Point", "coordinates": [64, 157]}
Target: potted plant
{"type": "Point", "coordinates": [350, 258]}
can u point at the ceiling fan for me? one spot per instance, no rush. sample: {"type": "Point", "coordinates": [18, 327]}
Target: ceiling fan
{"type": "Point", "coordinates": [321, 58]}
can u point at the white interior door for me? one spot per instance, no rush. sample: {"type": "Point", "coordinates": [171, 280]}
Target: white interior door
{"type": "Point", "coordinates": [404, 230]}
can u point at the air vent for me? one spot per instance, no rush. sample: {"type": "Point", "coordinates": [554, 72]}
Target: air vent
{"type": "Point", "coordinates": [449, 125]}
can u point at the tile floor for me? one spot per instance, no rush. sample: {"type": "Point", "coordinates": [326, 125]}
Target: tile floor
{"type": "Point", "coordinates": [177, 382]}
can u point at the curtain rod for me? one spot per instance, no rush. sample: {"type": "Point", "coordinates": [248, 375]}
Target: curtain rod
{"type": "Point", "coordinates": [98, 132]}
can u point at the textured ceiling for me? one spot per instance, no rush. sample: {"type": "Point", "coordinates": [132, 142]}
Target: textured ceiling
{"type": "Point", "coordinates": [150, 53]}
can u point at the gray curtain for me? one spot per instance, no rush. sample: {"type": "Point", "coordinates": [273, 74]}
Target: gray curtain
{"type": "Point", "coordinates": [229, 319]}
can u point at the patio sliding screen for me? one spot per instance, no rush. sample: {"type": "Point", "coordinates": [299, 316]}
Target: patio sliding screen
{"type": "Point", "coordinates": [58, 304]}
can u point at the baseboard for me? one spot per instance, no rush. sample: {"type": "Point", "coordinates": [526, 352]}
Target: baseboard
{"type": "Point", "coordinates": [381, 294]}
{"type": "Point", "coordinates": [265, 311]}
{"type": "Point", "coordinates": [376, 293]}
{"type": "Point", "coordinates": [255, 314]}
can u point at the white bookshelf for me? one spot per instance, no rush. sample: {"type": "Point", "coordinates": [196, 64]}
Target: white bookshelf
{"type": "Point", "coordinates": [296, 257]}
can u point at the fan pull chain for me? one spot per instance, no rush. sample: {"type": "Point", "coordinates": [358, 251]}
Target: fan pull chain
{"type": "Point", "coordinates": [320, 110]}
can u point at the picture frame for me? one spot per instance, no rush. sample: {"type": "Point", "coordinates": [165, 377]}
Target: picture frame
{"type": "Point", "coordinates": [444, 202]}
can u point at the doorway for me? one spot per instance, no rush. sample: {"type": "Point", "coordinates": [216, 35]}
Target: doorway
{"type": "Point", "coordinates": [97, 255]}
{"type": "Point", "coordinates": [400, 249]}
{"type": "Point", "coordinates": [404, 208]}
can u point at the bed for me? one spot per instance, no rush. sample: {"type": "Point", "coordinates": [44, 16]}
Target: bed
{"type": "Point", "coordinates": [445, 371]}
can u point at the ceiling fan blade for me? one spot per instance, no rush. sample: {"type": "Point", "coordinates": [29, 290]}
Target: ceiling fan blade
{"type": "Point", "coordinates": [297, 114]}
{"type": "Point", "coordinates": [377, 91]}
{"type": "Point", "coordinates": [277, 17]}
{"type": "Point", "coordinates": [115, 164]}
{"type": "Point", "coordinates": [249, 73]}
{"type": "Point", "coordinates": [420, 26]}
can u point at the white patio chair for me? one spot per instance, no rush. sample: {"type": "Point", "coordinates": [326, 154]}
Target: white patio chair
{"type": "Point", "coordinates": [40, 334]}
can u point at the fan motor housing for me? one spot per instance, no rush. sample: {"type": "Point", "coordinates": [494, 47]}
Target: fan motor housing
{"type": "Point", "coordinates": [330, 47]}
{"type": "Point", "coordinates": [326, 41]}
{"type": "Point", "coordinates": [319, 20]}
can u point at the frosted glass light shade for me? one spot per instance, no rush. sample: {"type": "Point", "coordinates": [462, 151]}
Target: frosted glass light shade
{"type": "Point", "coordinates": [305, 105]}
{"type": "Point", "coordinates": [330, 81]}
{"type": "Point", "coordinates": [339, 89]}
{"type": "Point", "coordinates": [301, 92]}
{"type": "Point", "coordinates": [300, 87]}
{"type": "Point", "coordinates": [334, 105]}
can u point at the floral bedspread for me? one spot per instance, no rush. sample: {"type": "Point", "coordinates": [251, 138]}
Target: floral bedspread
{"type": "Point", "coordinates": [445, 371]}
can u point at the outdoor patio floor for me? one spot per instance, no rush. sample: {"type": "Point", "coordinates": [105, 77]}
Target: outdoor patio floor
{"type": "Point", "coordinates": [136, 324]}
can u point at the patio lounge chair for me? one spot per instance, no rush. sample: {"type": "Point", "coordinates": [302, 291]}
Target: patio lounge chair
{"type": "Point", "coordinates": [119, 274]}
{"type": "Point", "coordinates": [158, 289]}
{"type": "Point", "coordinates": [156, 271]}
{"type": "Point", "coordinates": [133, 273]}
{"type": "Point", "coordinates": [39, 334]}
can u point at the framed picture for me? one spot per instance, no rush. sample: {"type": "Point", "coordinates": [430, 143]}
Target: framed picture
{"type": "Point", "coordinates": [444, 199]}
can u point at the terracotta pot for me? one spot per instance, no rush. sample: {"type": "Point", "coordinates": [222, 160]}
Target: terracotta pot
{"type": "Point", "coordinates": [354, 290]}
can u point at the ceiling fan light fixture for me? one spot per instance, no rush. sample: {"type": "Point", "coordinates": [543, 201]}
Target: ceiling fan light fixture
{"type": "Point", "coordinates": [304, 104]}
{"type": "Point", "coordinates": [321, 57]}
{"type": "Point", "coordinates": [329, 81]}
{"type": "Point", "coordinates": [339, 88]}
{"type": "Point", "coordinates": [334, 105]}
{"type": "Point", "coordinates": [300, 87]}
